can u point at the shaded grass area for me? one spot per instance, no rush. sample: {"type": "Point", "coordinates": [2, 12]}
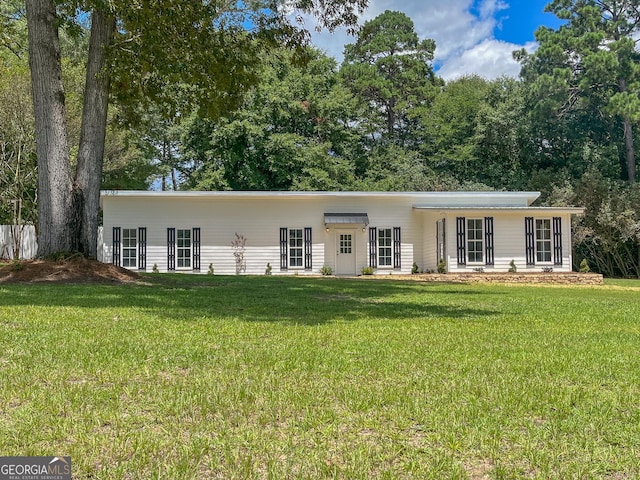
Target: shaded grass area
{"type": "Point", "coordinates": [271, 377]}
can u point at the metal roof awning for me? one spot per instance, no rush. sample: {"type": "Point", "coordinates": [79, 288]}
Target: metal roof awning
{"type": "Point", "coordinates": [346, 219]}
{"type": "Point", "coordinates": [572, 210]}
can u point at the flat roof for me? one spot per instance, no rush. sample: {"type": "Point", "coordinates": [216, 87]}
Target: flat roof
{"type": "Point", "coordinates": [433, 198]}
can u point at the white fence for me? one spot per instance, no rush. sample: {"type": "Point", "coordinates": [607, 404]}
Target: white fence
{"type": "Point", "coordinates": [29, 242]}
{"type": "Point", "coordinates": [8, 237]}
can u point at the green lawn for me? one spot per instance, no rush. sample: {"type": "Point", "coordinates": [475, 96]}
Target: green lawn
{"type": "Point", "coordinates": [271, 377]}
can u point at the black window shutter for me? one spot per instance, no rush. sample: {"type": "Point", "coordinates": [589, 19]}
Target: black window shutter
{"type": "Point", "coordinates": [171, 248]}
{"type": "Point", "coordinates": [283, 248]}
{"type": "Point", "coordinates": [373, 247]}
{"type": "Point", "coordinates": [444, 240]}
{"type": "Point", "coordinates": [308, 246]}
{"type": "Point", "coordinates": [196, 248]}
{"type": "Point", "coordinates": [530, 241]}
{"type": "Point", "coordinates": [462, 241]}
{"type": "Point", "coordinates": [116, 246]}
{"type": "Point", "coordinates": [488, 240]}
{"type": "Point", "coordinates": [397, 244]}
{"type": "Point", "coordinates": [142, 248]}
{"type": "Point", "coordinates": [557, 241]}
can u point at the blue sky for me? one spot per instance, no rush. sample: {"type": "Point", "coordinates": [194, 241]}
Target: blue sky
{"type": "Point", "coordinates": [521, 19]}
{"type": "Point", "coordinates": [472, 36]}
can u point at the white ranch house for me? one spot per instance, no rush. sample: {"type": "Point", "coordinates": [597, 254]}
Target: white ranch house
{"type": "Point", "coordinates": [300, 232]}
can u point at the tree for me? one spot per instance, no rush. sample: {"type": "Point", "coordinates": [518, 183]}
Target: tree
{"type": "Point", "coordinates": [447, 137]}
{"type": "Point", "coordinates": [13, 27]}
{"type": "Point", "coordinates": [292, 132]}
{"type": "Point", "coordinates": [390, 69]}
{"type": "Point", "coordinates": [126, 164]}
{"type": "Point", "coordinates": [205, 44]}
{"type": "Point", "coordinates": [587, 71]}
{"type": "Point", "coordinates": [608, 235]}
{"type": "Point", "coordinates": [17, 149]}
{"type": "Point", "coordinates": [501, 143]}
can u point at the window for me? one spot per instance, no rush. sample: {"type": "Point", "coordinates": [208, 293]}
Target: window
{"type": "Point", "coordinates": [295, 247]}
{"type": "Point", "coordinates": [129, 253]}
{"type": "Point", "coordinates": [474, 240]}
{"type": "Point", "coordinates": [539, 235]}
{"type": "Point", "coordinates": [543, 240]}
{"type": "Point", "coordinates": [184, 248]}
{"type": "Point", "coordinates": [346, 243]}
{"type": "Point", "coordinates": [129, 247]}
{"type": "Point", "coordinates": [385, 247]}
{"type": "Point", "coordinates": [385, 251]}
{"type": "Point", "coordinates": [441, 239]}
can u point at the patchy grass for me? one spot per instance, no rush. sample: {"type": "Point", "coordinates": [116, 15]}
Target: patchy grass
{"type": "Point", "coordinates": [271, 377]}
{"type": "Point", "coordinates": [622, 282]}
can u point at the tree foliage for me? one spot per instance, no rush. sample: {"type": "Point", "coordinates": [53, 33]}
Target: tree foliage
{"type": "Point", "coordinates": [292, 132]}
{"type": "Point", "coordinates": [141, 48]}
{"type": "Point", "coordinates": [18, 175]}
{"type": "Point", "coordinates": [217, 96]}
{"type": "Point", "coordinates": [390, 70]}
{"type": "Point", "coordinates": [585, 76]}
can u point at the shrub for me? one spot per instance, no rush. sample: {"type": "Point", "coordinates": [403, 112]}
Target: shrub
{"type": "Point", "coordinates": [268, 269]}
{"type": "Point", "coordinates": [155, 268]}
{"type": "Point", "coordinates": [239, 246]}
{"type": "Point", "coordinates": [415, 269]}
{"type": "Point", "coordinates": [547, 269]}
{"type": "Point", "coordinates": [584, 266]}
{"type": "Point", "coordinates": [479, 269]}
{"type": "Point", "coordinates": [210, 271]}
{"type": "Point", "coordinates": [442, 266]}
{"type": "Point", "coordinates": [367, 270]}
{"type": "Point", "coordinates": [326, 270]}
{"type": "Point", "coordinates": [512, 266]}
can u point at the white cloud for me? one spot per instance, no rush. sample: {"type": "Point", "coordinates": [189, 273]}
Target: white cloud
{"type": "Point", "coordinates": [489, 59]}
{"type": "Point", "coordinates": [463, 31]}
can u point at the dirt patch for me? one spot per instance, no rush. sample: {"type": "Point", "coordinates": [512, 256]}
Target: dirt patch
{"type": "Point", "coordinates": [73, 270]}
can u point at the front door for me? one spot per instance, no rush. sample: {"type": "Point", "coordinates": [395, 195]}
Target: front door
{"type": "Point", "coordinates": [345, 252]}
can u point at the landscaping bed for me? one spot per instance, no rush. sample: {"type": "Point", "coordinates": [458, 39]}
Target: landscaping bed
{"type": "Point", "coordinates": [75, 269]}
{"type": "Point", "coordinates": [558, 278]}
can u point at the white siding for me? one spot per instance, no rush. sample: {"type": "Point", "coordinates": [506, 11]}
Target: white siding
{"type": "Point", "coordinates": [509, 242]}
{"type": "Point", "coordinates": [259, 220]}
{"type": "Point", "coordinates": [429, 241]}
{"type": "Point", "coordinates": [259, 217]}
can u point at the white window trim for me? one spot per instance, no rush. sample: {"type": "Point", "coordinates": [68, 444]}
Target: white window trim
{"type": "Point", "coordinates": [390, 266]}
{"type": "Point", "coordinates": [177, 259]}
{"type": "Point", "coordinates": [135, 247]}
{"type": "Point", "coordinates": [481, 240]}
{"type": "Point", "coordinates": [289, 248]}
{"type": "Point", "coordinates": [535, 241]}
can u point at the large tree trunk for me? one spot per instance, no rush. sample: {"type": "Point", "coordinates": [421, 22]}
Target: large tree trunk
{"type": "Point", "coordinates": [630, 153]}
{"type": "Point", "coordinates": [629, 150]}
{"type": "Point", "coordinates": [92, 135]}
{"type": "Point", "coordinates": [54, 170]}
{"type": "Point", "coordinates": [391, 116]}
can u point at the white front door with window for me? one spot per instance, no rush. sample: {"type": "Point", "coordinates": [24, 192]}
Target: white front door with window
{"type": "Point", "coordinates": [345, 252]}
